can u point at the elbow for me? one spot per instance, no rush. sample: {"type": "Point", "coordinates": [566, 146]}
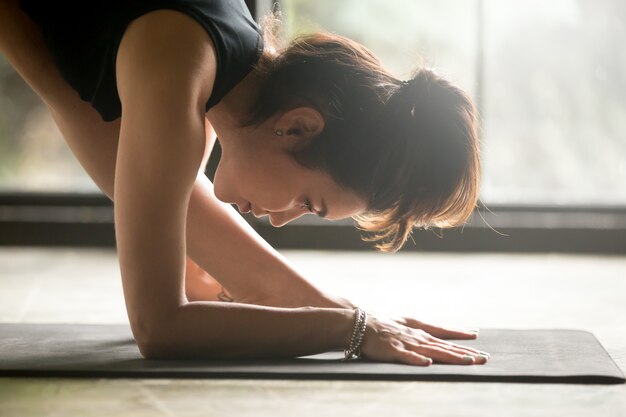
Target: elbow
{"type": "Point", "coordinates": [153, 339]}
{"type": "Point", "coordinates": [150, 349]}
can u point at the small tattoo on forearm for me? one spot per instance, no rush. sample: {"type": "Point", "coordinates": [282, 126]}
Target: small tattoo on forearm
{"type": "Point", "coordinates": [222, 296]}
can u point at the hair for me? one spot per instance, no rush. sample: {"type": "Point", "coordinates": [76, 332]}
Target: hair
{"type": "Point", "coordinates": [409, 149]}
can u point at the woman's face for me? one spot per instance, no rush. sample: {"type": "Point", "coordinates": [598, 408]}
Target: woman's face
{"type": "Point", "coordinates": [259, 176]}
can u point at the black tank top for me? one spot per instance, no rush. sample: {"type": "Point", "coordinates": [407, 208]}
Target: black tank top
{"type": "Point", "coordinates": [83, 38]}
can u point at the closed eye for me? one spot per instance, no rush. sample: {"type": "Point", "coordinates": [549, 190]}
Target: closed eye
{"type": "Point", "coordinates": [308, 205]}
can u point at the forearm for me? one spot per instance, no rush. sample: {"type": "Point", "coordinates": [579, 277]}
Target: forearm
{"type": "Point", "coordinates": [223, 243]}
{"type": "Point", "coordinates": [233, 330]}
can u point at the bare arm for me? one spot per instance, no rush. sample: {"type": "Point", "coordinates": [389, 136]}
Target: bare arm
{"type": "Point", "coordinates": [218, 238]}
{"type": "Point", "coordinates": [159, 152]}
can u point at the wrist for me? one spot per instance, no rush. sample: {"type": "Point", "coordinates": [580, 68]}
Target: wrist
{"type": "Point", "coordinates": [333, 301]}
{"type": "Point", "coordinates": [353, 350]}
{"type": "Point", "coordinates": [345, 329]}
{"type": "Point", "coordinates": [333, 326]}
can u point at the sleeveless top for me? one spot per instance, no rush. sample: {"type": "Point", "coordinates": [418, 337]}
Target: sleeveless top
{"type": "Point", "coordinates": [83, 38]}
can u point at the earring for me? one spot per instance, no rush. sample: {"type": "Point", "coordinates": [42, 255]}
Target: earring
{"type": "Point", "coordinates": [278, 132]}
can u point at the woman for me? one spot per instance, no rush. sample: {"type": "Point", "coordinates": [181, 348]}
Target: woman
{"type": "Point", "coordinates": [140, 90]}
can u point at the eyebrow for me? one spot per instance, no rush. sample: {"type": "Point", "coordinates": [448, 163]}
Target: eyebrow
{"type": "Point", "coordinates": [322, 213]}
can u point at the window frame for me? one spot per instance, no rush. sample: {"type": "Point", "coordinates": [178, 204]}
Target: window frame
{"type": "Point", "coordinates": [79, 219]}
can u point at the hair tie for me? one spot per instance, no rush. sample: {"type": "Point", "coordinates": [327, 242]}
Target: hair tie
{"type": "Point", "coordinates": [406, 86]}
{"type": "Point", "coordinates": [404, 92]}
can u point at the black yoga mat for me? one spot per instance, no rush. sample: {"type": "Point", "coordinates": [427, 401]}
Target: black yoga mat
{"type": "Point", "coordinates": [548, 356]}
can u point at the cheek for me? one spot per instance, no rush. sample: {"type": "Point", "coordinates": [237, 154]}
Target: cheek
{"type": "Point", "coordinates": [233, 183]}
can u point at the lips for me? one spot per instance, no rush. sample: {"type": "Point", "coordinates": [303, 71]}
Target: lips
{"type": "Point", "coordinates": [257, 213]}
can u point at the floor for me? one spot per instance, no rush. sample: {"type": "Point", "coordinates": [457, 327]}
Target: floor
{"type": "Point", "coordinates": [473, 290]}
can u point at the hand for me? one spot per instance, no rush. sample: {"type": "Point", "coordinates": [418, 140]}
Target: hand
{"type": "Point", "coordinates": [406, 340]}
{"type": "Point", "coordinates": [437, 331]}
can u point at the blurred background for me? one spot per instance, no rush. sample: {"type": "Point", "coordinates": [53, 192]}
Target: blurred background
{"type": "Point", "coordinates": [549, 79]}
{"type": "Point", "coordinates": [544, 250]}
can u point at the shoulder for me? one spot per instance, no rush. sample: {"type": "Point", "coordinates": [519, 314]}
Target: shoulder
{"type": "Point", "coordinates": [166, 52]}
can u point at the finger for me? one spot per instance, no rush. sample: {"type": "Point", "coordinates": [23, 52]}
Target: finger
{"type": "Point", "coordinates": [440, 355]}
{"type": "Point", "coordinates": [479, 357]}
{"type": "Point", "coordinates": [449, 333]}
{"type": "Point", "coordinates": [412, 358]}
{"type": "Point", "coordinates": [472, 350]}
{"type": "Point", "coordinates": [441, 331]}
{"type": "Point", "coordinates": [467, 349]}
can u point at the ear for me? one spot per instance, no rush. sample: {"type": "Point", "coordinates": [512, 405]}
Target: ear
{"type": "Point", "coordinates": [301, 122]}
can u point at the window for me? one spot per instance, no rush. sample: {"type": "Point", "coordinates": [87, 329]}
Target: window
{"type": "Point", "coordinates": [33, 154]}
{"type": "Point", "coordinates": [555, 102]}
{"type": "Point", "coordinates": [549, 79]}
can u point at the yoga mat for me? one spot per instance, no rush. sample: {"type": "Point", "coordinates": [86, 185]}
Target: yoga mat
{"type": "Point", "coordinates": [548, 356]}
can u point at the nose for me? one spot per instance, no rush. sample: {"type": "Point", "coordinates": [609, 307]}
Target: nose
{"type": "Point", "coordinates": [279, 219]}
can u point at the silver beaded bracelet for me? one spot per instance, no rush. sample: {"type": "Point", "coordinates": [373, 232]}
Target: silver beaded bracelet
{"type": "Point", "coordinates": [360, 324]}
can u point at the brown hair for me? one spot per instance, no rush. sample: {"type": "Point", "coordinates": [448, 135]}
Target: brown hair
{"type": "Point", "coordinates": [407, 148]}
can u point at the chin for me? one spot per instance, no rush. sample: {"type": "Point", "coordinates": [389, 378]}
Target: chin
{"type": "Point", "coordinates": [276, 226]}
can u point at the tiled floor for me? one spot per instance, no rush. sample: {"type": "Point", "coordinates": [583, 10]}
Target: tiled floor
{"type": "Point", "coordinates": [513, 291]}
